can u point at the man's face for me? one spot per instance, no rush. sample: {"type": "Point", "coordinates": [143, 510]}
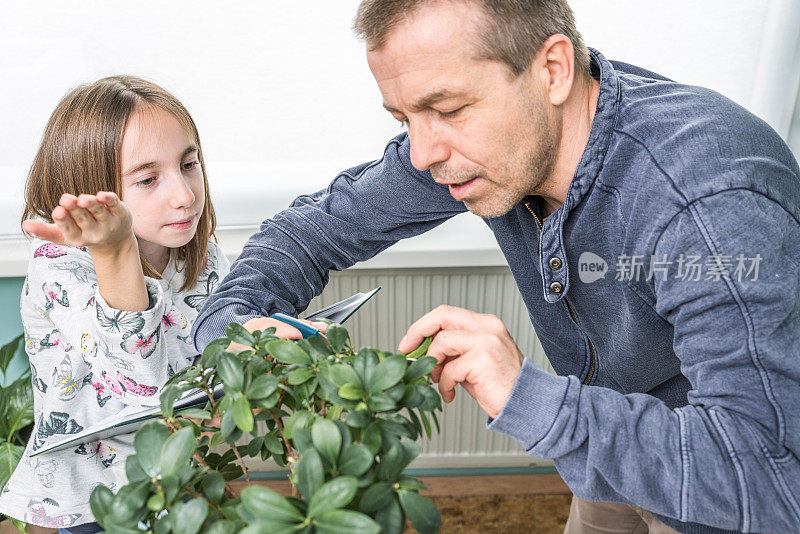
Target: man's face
{"type": "Point", "coordinates": [491, 137]}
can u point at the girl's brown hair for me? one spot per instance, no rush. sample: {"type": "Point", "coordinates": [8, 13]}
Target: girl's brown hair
{"type": "Point", "coordinates": [80, 153]}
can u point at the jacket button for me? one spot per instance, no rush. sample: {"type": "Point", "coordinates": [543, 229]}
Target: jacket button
{"type": "Point", "coordinates": [555, 263]}
{"type": "Point", "coordinates": [556, 288]}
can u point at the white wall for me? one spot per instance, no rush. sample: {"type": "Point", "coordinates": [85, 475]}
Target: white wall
{"type": "Point", "coordinates": [282, 94]}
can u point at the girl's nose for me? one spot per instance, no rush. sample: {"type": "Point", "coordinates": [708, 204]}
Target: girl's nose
{"type": "Point", "coordinates": [181, 195]}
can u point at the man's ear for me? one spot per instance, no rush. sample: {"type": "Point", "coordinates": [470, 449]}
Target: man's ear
{"type": "Point", "coordinates": [555, 61]}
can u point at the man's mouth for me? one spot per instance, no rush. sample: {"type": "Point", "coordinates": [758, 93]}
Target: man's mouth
{"type": "Point", "coordinates": [460, 190]}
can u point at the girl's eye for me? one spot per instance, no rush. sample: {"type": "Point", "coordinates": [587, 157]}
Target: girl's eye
{"type": "Point", "coordinates": [146, 182]}
{"type": "Point", "coordinates": [190, 165]}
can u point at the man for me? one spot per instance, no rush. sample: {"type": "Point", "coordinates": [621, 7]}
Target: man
{"type": "Point", "coordinates": [679, 386]}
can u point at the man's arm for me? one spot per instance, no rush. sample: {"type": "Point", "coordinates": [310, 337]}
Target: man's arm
{"type": "Point", "coordinates": [362, 212]}
{"type": "Point", "coordinates": [730, 457]}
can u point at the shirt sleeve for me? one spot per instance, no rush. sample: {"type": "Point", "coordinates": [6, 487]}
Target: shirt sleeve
{"type": "Point", "coordinates": [124, 349]}
{"type": "Point", "coordinates": [730, 457]}
{"type": "Point", "coordinates": [364, 210]}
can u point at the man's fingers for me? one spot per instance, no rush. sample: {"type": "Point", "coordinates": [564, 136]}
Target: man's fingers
{"type": "Point", "coordinates": [441, 318]}
{"type": "Point", "coordinates": [454, 372]}
{"type": "Point", "coordinates": [282, 330]}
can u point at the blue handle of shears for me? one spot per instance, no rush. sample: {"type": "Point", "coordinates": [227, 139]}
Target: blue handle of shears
{"type": "Point", "coordinates": [305, 329]}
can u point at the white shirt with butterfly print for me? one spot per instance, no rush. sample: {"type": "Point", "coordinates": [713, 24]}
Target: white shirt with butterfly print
{"type": "Point", "coordinates": [88, 361]}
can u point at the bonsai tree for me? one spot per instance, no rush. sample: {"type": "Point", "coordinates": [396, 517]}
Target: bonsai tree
{"type": "Point", "coordinates": [344, 422]}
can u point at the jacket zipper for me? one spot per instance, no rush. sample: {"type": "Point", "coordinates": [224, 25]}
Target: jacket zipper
{"type": "Point", "coordinates": [590, 375]}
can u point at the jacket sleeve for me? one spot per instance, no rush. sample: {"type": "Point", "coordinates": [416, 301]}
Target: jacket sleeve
{"type": "Point", "coordinates": [124, 349]}
{"type": "Point", "coordinates": [730, 457]}
{"type": "Point", "coordinates": [364, 210]}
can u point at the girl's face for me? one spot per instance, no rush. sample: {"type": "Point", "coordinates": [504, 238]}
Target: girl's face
{"type": "Point", "coordinates": [162, 182]}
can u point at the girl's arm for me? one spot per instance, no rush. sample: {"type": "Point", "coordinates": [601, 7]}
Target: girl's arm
{"type": "Point", "coordinates": [103, 224]}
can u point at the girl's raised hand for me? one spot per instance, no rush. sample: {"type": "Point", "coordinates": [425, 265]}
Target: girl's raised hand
{"type": "Point", "coordinates": [101, 222]}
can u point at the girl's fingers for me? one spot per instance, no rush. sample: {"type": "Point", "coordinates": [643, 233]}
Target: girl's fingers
{"type": "Point", "coordinates": [79, 215]}
{"type": "Point", "coordinates": [110, 200]}
{"type": "Point", "coordinates": [42, 230]}
{"type": "Point", "coordinates": [93, 206]}
{"type": "Point", "coordinates": [66, 224]}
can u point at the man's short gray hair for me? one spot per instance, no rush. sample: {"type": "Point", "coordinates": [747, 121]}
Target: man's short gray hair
{"type": "Point", "coordinates": [513, 32]}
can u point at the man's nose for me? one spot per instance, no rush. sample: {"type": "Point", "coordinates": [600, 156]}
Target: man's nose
{"type": "Point", "coordinates": [427, 145]}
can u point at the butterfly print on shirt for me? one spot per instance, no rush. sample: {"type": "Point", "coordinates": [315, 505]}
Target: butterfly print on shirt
{"type": "Point", "coordinates": [38, 383]}
{"type": "Point", "coordinates": [125, 322]}
{"type": "Point", "coordinates": [37, 515]}
{"type": "Point", "coordinates": [57, 423]}
{"type": "Point", "coordinates": [122, 384]}
{"type": "Point", "coordinates": [174, 319]}
{"type": "Point", "coordinates": [98, 450]}
{"type": "Point", "coordinates": [55, 339]}
{"type": "Point", "coordinates": [45, 471]}
{"type": "Point", "coordinates": [76, 269]}
{"type": "Point", "coordinates": [64, 380]}
{"type": "Point", "coordinates": [138, 344]}
{"type": "Point", "coordinates": [50, 250]}
{"type": "Point", "coordinates": [196, 300]}
{"type": "Point", "coordinates": [54, 293]}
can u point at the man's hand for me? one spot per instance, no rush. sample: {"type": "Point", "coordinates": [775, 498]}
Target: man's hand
{"type": "Point", "coordinates": [282, 330]}
{"type": "Point", "coordinates": [474, 350]}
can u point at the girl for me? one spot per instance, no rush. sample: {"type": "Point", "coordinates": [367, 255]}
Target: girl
{"type": "Point", "coordinates": [112, 286]}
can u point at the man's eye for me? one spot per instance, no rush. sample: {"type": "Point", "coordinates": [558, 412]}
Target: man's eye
{"type": "Point", "coordinates": [451, 114]}
{"type": "Point", "coordinates": [190, 165]}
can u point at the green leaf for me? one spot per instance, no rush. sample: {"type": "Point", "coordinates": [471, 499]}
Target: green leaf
{"type": "Point", "coordinates": [148, 443]}
{"type": "Point", "coordinates": [359, 418]}
{"type": "Point", "coordinates": [319, 344]}
{"type": "Point", "coordinates": [365, 363]}
{"type": "Point", "coordinates": [169, 394]}
{"type": "Point", "coordinates": [9, 458]}
{"type": "Point", "coordinates": [345, 522]}
{"type": "Point", "coordinates": [100, 501]}
{"type": "Point", "coordinates": [308, 473]}
{"type": "Point", "coordinates": [213, 351]}
{"type": "Point", "coordinates": [214, 486]}
{"type": "Point", "coordinates": [17, 401]}
{"type": "Point", "coordinates": [371, 437]}
{"type": "Point", "coordinates": [420, 511]}
{"type": "Point", "coordinates": [392, 463]}
{"type": "Point", "coordinates": [380, 402]}
{"type": "Point", "coordinates": [297, 419]}
{"type": "Point", "coordinates": [134, 471]}
{"type": "Point", "coordinates": [356, 459]}
{"type": "Point", "coordinates": [388, 373]}
{"type": "Point", "coordinates": [221, 527]}
{"type": "Point", "coordinates": [156, 502]}
{"type": "Point", "coordinates": [421, 367]}
{"type": "Point", "coordinates": [273, 444]}
{"type": "Point", "coordinates": [432, 400]}
{"type": "Point", "coordinates": [8, 351]}
{"type": "Point", "coordinates": [411, 483]}
{"type": "Point", "coordinates": [421, 349]}
{"type": "Point", "coordinates": [352, 392]}
{"type": "Point", "coordinates": [268, 503]}
{"type": "Point", "coordinates": [242, 414]}
{"type": "Point", "coordinates": [177, 450]}
{"type": "Point", "coordinates": [336, 493]}
{"type": "Point", "coordinates": [286, 351]}
{"type": "Point", "coordinates": [377, 496]}
{"type": "Point", "coordinates": [327, 439]}
{"type": "Point", "coordinates": [300, 376]}
{"type": "Point", "coordinates": [337, 337]}
{"type": "Point", "coordinates": [194, 413]}
{"type": "Point", "coordinates": [426, 423]}
{"type": "Point", "coordinates": [188, 517]}
{"type": "Point", "coordinates": [391, 518]}
{"type": "Point", "coordinates": [130, 500]}
{"type": "Point", "coordinates": [262, 387]}
{"type": "Point", "coordinates": [239, 334]}
{"type": "Point", "coordinates": [342, 373]}
{"type": "Point", "coordinates": [230, 371]}
{"type": "Point", "coordinates": [269, 526]}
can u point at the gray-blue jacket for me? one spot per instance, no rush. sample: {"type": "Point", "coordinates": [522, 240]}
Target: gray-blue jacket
{"type": "Point", "coordinates": [664, 292]}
